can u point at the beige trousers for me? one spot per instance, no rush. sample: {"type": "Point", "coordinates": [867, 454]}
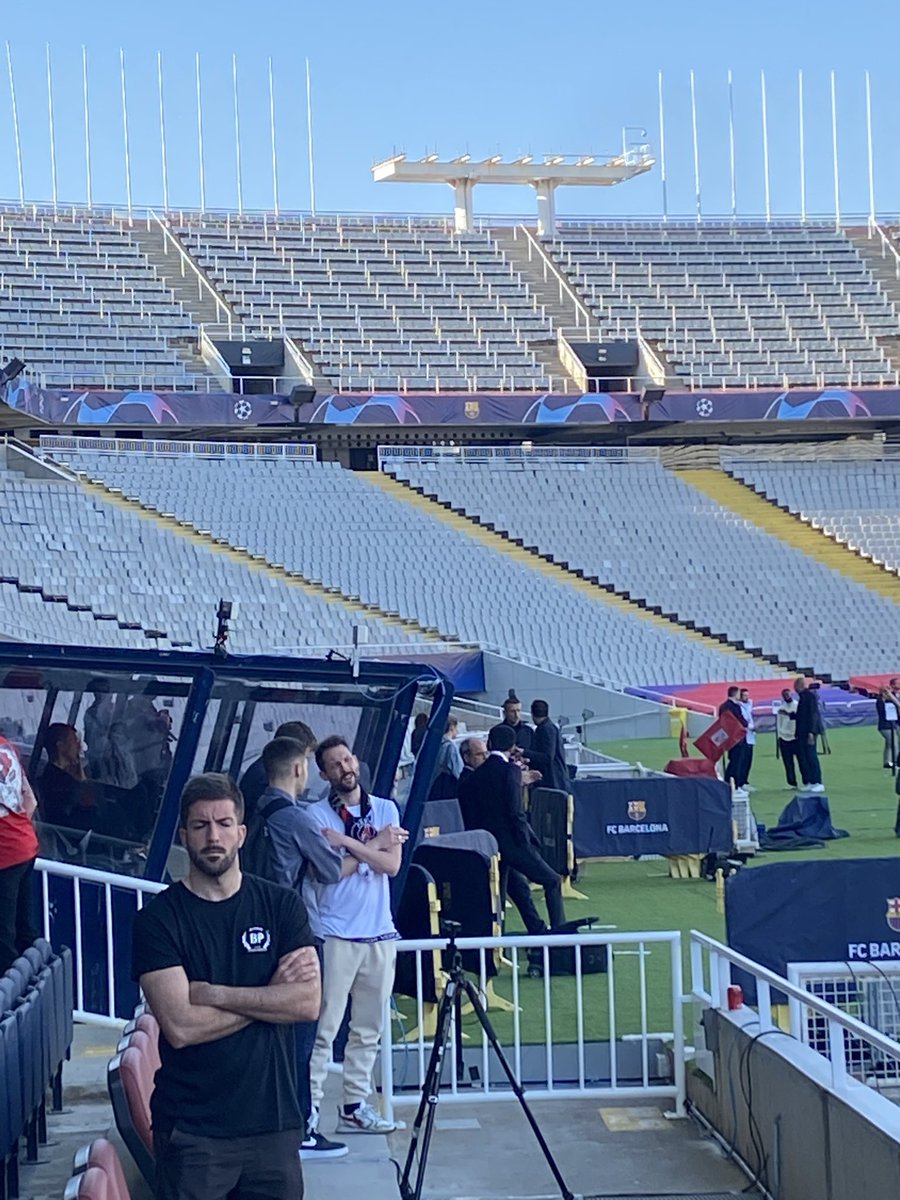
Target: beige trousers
{"type": "Point", "coordinates": [364, 972]}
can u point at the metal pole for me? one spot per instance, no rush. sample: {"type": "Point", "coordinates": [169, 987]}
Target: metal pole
{"type": "Point", "coordinates": [696, 146]}
{"type": "Point", "coordinates": [125, 133]}
{"type": "Point", "coordinates": [731, 144]}
{"type": "Point", "coordinates": [662, 150]}
{"type": "Point", "coordinates": [52, 134]}
{"type": "Point", "coordinates": [162, 132]}
{"type": "Point", "coordinates": [834, 151]}
{"type": "Point", "coordinates": [274, 154]}
{"type": "Point", "coordinates": [237, 134]}
{"type": "Point", "coordinates": [871, 153]}
{"type": "Point", "coordinates": [200, 138]}
{"type": "Point", "coordinates": [802, 149]}
{"type": "Point", "coordinates": [87, 127]}
{"type": "Point", "coordinates": [765, 136]}
{"type": "Point", "coordinates": [15, 117]}
{"type": "Point", "coordinates": [309, 132]}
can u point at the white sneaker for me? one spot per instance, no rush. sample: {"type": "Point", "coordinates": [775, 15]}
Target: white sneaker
{"type": "Point", "coordinates": [817, 787]}
{"type": "Point", "coordinates": [364, 1119]}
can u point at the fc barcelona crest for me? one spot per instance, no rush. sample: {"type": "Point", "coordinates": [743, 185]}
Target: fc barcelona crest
{"type": "Point", "coordinates": [473, 409]}
{"type": "Point", "coordinates": [637, 811]}
{"type": "Point", "coordinates": [893, 913]}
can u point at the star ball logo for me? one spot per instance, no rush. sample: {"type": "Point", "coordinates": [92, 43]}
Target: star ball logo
{"type": "Point", "coordinates": [256, 940]}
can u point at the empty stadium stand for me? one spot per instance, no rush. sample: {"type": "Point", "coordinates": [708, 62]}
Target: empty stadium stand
{"type": "Point", "coordinates": [340, 530]}
{"type": "Point", "coordinates": [737, 305]}
{"type": "Point", "coordinates": [83, 568]}
{"type": "Point", "coordinates": [83, 307]}
{"type": "Point", "coordinates": [379, 304]}
{"type": "Point", "coordinates": [650, 535]}
{"type": "Point", "coordinates": [857, 503]}
{"type": "Point", "coordinates": [408, 304]}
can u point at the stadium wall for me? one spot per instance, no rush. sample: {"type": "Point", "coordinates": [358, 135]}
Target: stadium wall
{"type": "Point", "coordinates": [774, 1091]}
{"type": "Point", "coordinates": [616, 715]}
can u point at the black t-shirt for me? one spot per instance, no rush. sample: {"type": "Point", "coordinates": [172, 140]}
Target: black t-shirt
{"type": "Point", "coordinates": [243, 1084]}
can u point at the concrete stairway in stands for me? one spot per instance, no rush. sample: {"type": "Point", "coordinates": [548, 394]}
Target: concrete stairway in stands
{"type": "Point", "coordinates": [532, 559]}
{"type": "Point", "coordinates": [767, 515]}
{"type": "Point", "coordinates": [884, 266]}
{"type": "Point", "coordinates": [256, 562]}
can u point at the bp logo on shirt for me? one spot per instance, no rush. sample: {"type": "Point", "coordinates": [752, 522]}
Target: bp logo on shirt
{"type": "Point", "coordinates": [256, 940]}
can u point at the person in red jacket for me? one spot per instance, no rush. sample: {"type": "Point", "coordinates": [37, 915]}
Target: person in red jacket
{"type": "Point", "coordinates": [18, 850]}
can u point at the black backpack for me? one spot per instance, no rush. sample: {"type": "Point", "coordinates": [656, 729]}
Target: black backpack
{"type": "Point", "coordinates": [256, 853]}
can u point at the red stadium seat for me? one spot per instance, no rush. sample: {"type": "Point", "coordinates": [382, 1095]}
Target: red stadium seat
{"type": "Point", "coordinates": [130, 1079]}
{"type": "Point", "coordinates": [93, 1184]}
{"type": "Point", "coordinates": [103, 1154]}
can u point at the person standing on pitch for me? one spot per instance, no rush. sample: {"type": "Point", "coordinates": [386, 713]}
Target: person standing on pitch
{"type": "Point", "coordinates": [808, 722]}
{"type": "Point", "coordinates": [228, 964]}
{"type": "Point", "coordinates": [785, 722]}
{"type": "Point", "coordinates": [886, 710]}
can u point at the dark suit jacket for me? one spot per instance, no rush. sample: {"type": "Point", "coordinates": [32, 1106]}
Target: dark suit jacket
{"type": "Point", "coordinates": [524, 734]}
{"type": "Point", "coordinates": [548, 756]}
{"type": "Point", "coordinates": [808, 719]}
{"type": "Point", "coordinates": [491, 798]}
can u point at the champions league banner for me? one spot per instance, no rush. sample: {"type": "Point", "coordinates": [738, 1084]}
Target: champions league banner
{"type": "Point", "coordinates": [121, 409]}
{"type": "Point", "coordinates": [630, 817]}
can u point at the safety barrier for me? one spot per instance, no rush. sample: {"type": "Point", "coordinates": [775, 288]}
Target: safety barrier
{"type": "Point", "coordinates": [94, 927]}
{"type": "Point", "coordinates": [163, 448]}
{"type": "Point", "coordinates": [613, 1034]}
{"type": "Point", "coordinates": [848, 1045]}
{"type": "Point", "coordinates": [524, 455]}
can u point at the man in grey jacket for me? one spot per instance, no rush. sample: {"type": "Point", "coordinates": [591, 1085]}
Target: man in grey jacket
{"type": "Point", "coordinates": [300, 856]}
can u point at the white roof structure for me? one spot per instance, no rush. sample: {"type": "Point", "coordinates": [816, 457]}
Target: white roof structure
{"type": "Point", "coordinates": [545, 176]}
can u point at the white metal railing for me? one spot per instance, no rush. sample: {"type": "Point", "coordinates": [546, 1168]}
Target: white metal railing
{"type": "Point", "coordinates": [889, 249]}
{"type": "Point", "coordinates": [711, 967]}
{"type": "Point", "coordinates": [162, 448]}
{"type": "Point", "coordinates": [523, 454]}
{"type": "Point", "coordinates": [189, 266]}
{"type": "Point", "coordinates": [606, 1055]}
{"type": "Point", "coordinates": [110, 883]}
{"type": "Point", "coordinates": [564, 287]}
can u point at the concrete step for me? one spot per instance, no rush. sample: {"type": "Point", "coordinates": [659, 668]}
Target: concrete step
{"type": "Point", "coordinates": [883, 267]}
{"type": "Point", "coordinates": [533, 559]}
{"type": "Point", "coordinates": [160, 253]}
{"type": "Point", "coordinates": [544, 286]}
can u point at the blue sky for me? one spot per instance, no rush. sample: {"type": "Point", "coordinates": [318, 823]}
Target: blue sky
{"type": "Point", "coordinates": [486, 78]}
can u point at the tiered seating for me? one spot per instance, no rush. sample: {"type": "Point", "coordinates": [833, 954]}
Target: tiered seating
{"type": "Point", "coordinates": [856, 502]}
{"type": "Point", "coordinates": [379, 305]}
{"type": "Point", "coordinates": [80, 303]}
{"type": "Point", "coordinates": [643, 530]}
{"type": "Point", "coordinates": [738, 306]}
{"type": "Point", "coordinates": [79, 570]}
{"type": "Point", "coordinates": [337, 528]}
{"type": "Point", "coordinates": [36, 1002]}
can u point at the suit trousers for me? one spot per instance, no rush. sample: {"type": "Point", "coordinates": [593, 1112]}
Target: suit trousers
{"type": "Point", "coordinates": [522, 864]}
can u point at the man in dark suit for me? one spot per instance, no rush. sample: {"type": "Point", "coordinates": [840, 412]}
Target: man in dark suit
{"type": "Point", "coordinates": [491, 798]}
{"type": "Point", "coordinates": [547, 754]}
{"type": "Point", "coordinates": [808, 724]}
{"type": "Point", "coordinates": [512, 716]}
{"type": "Point", "coordinates": [737, 755]}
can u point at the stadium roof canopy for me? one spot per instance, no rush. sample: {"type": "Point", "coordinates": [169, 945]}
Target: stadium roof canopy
{"type": "Point", "coordinates": [545, 176]}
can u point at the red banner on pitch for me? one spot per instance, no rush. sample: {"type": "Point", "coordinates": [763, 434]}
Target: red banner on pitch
{"type": "Point", "coordinates": [724, 733]}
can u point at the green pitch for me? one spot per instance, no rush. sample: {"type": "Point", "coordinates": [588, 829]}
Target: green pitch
{"type": "Point", "coordinates": [640, 895]}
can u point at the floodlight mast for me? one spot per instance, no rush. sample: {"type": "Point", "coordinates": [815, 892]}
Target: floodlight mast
{"type": "Point", "coordinates": [555, 170]}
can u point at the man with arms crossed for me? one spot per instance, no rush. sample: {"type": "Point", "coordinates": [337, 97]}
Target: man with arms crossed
{"type": "Point", "coordinates": [228, 965]}
{"type": "Point", "coordinates": [360, 938]}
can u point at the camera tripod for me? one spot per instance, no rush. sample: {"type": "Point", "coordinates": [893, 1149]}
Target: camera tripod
{"type": "Point", "coordinates": [457, 988]}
